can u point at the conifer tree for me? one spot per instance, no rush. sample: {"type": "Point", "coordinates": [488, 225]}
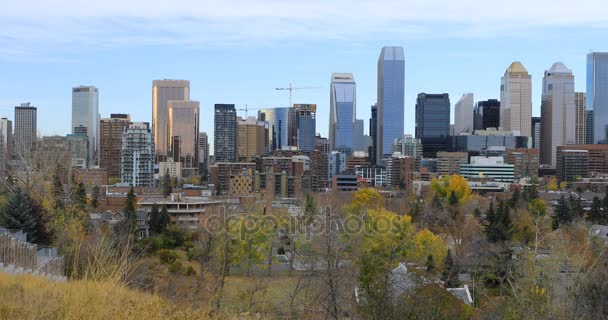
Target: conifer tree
{"type": "Point", "coordinates": [21, 212]}
{"type": "Point", "coordinates": [129, 210]}
{"type": "Point", "coordinates": [155, 219]}
{"type": "Point", "coordinates": [167, 187]}
{"type": "Point", "coordinates": [95, 197]}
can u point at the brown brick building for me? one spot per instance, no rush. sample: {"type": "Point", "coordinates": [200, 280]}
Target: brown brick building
{"type": "Point", "coordinates": [525, 162]}
{"type": "Point", "coordinates": [110, 142]}
{"type": "Point", "coordinates": [597, 156]}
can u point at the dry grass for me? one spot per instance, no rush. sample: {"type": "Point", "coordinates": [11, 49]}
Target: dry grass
{"type": "Point", "coordinates": [28, 297]}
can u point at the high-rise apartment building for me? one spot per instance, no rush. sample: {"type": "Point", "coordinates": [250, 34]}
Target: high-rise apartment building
{"type": "Point", "coordinates": [516, 99]}
{"type": "Point", "coordinates": [342, 113]}
{"type": "Point", "coordinates": [225, 128]}
{"type": "Point", "coordinates": [25, 128]}
{"type": "Point", "coordinates": [487, 114]}
{"type": "Point", "coordinates": [251, 138]}
{"type": "Point", "coordinates": [137, 155]}
{"type": "Point", "coordinates": [278, 123]}
{"type": "Point", "coordinates": [558, 112]}
{"type": "Point", "coordinates": [164, 91]}
{"type": "Point", "coordinates": [433, 122]}
{"type": "Point", "coordinates": [463, 114]}
{"type": "Point", "coordinates": [85, 118]}
{"type": "Point", "coordinates": [390, 103]}
{"type": "Point", "coordinates": [183, 134]}
{"type": "Point", "coordinates": [580, 122]}
{"type": "Point", "coordinates": [408, 146]}
{"type": "Point", "coordinates": [306, 120]}
{"type": "Point", "coordinates": [373, 133]}
{"type": "Point", "coordinates": [6, 132]}
{"type": "Point", "coordinates": [110, 142]}
{"type": "Point", "coordinates": [597, 94]}
{"type": "Point", "coordinates": [203, 154]}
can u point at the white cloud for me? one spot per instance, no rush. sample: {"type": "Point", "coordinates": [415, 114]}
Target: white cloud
{"type": "Point", "coordinates": [60, 24]}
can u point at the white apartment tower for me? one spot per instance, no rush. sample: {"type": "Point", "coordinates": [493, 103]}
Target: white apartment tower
{"type": "Point", "coordinates": [516, 100]}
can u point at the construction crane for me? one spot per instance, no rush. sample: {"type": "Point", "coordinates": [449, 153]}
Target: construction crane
{"type": "Point", "coordinates": [292, 88]}
{"type": "Point", "coordinates": [246, 110]}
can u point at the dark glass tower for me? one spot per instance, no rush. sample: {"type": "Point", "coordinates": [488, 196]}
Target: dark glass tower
{"type": "Point", "coordinates": [373, 133]}
{"type": "Point", "coordinates": [224, 140]}
{"type": "Point", "coordinates": [486, 114]}
{"type": "Point", "coordinates": [433, 122]}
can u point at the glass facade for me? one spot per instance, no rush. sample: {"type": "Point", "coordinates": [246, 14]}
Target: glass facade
{"type": "Point", "coordinates": [391, 86]}
{"type": "Point", "coordinates": [162, 92]}
{"type": "Point", "coordinates": [224, 137]}
{"type": "Point", "coordinates": [597, 94]}
{"type": "Point", "coordinates": [278, 123]}
{"type": "Point", "coordinates": [373, 133]}
{"type": "Point", "coordinates": [85, 118]}
{"type": "Point", "coordinates": [307, 126]}
{"type": "Point", "coordinates": [183, 130]}
{"type": "Point", "coordinates": [433, 122]}
{"type": "Point", "coordinates": [475, 145]}
{"type": "Point", "coordinates": [487, 114]}
{"type": "Point", "coordinates": [342, 112]}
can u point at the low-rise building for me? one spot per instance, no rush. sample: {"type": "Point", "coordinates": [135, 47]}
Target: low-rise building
{"type": "Point", "coordinates": [525, 162]}
{"type": "Point", "coordinates": [448, 163]}
{"type": "Point", "coordinates": [492, 168]}
{"type": "Point", "coordinates": [572, 163]}
{"type": "Point", "coordinates": [186, 212]}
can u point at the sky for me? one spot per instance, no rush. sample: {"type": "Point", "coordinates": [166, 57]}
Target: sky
{"type": "Point", "coordinates": [239, 51]}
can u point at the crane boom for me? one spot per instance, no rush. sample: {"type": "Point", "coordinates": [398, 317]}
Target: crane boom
{"type": "Point", "coordinates": [291, 88]}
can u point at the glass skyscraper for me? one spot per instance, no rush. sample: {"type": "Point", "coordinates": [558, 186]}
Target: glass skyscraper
{"type": "Point", "coordinates": [85, 118]}
{"type": "Point", "coordinates": [183, 132]}
{"type": "Point", "coordinates": [162, 92]}
{"type": "Point", "coordinates": [390, 108]}
{"type": "Point", "coordinates": [307, 126]}
{"type": "Point", "coordinates": [342, 112]}
{"type": "Point", "coordinates": [597, 95]}
{"type": "Point", "coordinates": [433, 122]}
{"type": "Point", "coordinates": [224, 135]}
{"type": "Point", "coordinates": [278, 123]}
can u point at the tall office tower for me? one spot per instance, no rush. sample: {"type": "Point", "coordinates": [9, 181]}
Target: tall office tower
{"type": "Point", "coordinates": [463, 114]}
{"type": "Point", "coordinates": [359, 143]}
{"type": "Point", "coordinates": [373, 133]}
{"type": "Point", "coordinates": [25, 128]}
{"type": "Point", "coordinates": [558, 112]}
{"type": "Point", "coordinates": [224, 131]}
{"type": "Point", "coordinates": [278, 123]}
{"type": "Point", "coordinates": [110, 142]}
{"type": "Point", "coordinates": [6, 130]}
{"type": "Point", "coordinates": [292, 128]}
{"type": "Point", "coordinates": [597, 94]}
{"type": "Point", "coordinates": [433, 122]}
{"type": "Point", "coordinates": [137, 155]}
{"type": "Point", "coordinates": [589, 126]}
{"type": "Point", "coordinates": [162, 92]}
{"type": "Point", "coordinates": [85, 118]}
{"type": "Point", "coordinates": [580, 101]}
{"type": "Point", "coordinates": [322, 144]}
{"type": "Point", "coordinates": [342, 113]}
{"type": "Point", "coordinates": [78, 146]}
{"type": "Point", "coordinates": [306, 121]}
{"type": "Point", "coordinates": [251, 138]}
{"type": "Point", "coordinates": [183, 134]}
{"type": "Point", "coordinates": [203, 154]}
{"type": "Point", "coordinates": [536, 133]}
{"type": "Point", "coordinates": [486, 114]}
{"type": "Point", "coordinates": [516, 100]}
{"type": "Point", "coordinates": [391, 86]}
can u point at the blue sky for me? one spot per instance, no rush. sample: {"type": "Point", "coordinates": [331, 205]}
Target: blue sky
{"type": "Point", "coordinates": [239, 51]}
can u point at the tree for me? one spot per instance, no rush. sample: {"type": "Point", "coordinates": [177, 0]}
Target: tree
{"type": "Point", "coordinates": [450, 188]}
{"type": "Point", "coordinates": [563, 213]}
{"type": "Point", "coordinates": [130, 213]}
{"type": "Point", "coordinates": [80, 196]}
{"type": "Point", "coordinates": [430, 264]}
{"type": "Point", "coordinates": [423, 244]}
{"type": "Point", "coordinates": [310, 209]}
{"type": "Point", "coordinates": [95, 197]}
{"type": "Point", "coordinates": [58, 193]}
{"type": "Point", "coordinates": [154, 221]}
{"type": "Point", "coordinates": [552, 185]}
{"type": "Point", "coordinates": [218, 189]}
{"type": "Point", "coordinates": [498, 224]}
{"type": "Point", "coordinates": [165, 218]}
{"type": "Point", "coordinates": [21, 212]}
{"type": "Point", "coordinates": [166, 184]}
{"type": "Point", "coordinates": [450, 272]}
{"type": "Point", "coordinates": [595, 213]}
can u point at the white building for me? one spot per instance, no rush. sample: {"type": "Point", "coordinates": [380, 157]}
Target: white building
{"type": "Point", "coordinates": [137, 156]}
{"type": "Point", "coordinates": [170, 166]}
{"type": "Point", "coordinates": [463, 114]}
{"type": "Point", "coordinates": [493, 168]}
{"type": "Point", "coordinates": [516, 100]}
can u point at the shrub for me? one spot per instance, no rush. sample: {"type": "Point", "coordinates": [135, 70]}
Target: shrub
{"type": "Point", "coordinates": [175, 267]}
{"type": "Point", "coordinates": [167, 256]}
{"type": "Point", "coordinates": [189, 271]}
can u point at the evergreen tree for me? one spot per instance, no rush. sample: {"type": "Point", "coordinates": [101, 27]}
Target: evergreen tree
{"type": "Point", "coordinates": [514, 201]}
{"type": "Point", "coordinates": [95, 197]}
{"type": "Point", "coordinates": [595, 213]}
{"type": "Point", "coordinates": [167, 187]}
{"type": "Point", "coordinates": [498, 224]}
{"type": "Point", "coordinates": [58, 193]}
{"type": "Point", "coordinates": [24, 213]}
{"type": "Point", "coordinates": [563, 213]}
{"type": "Point", "coordinates": [80, 196]}
{"type": "Point", "coordinates": [165, 218]}
{"type": "Point", "coordinates": [154, 221]}
{"type": "Point", "coordinates": [430, 264]}
{"type": "Point", "coordinates": [450, 272]}
{"type": "Point", "coordinates": [130, 213]}
{"type": "Point", "coordinates": [218, 189]}
{"type": "Point", "coordinates": [309, 209]}
{"type": "Point", "coordinates": [576, 206]}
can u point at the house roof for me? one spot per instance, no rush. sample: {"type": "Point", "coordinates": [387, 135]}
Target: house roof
{"type": "Point", "coordinates": [462, 293]}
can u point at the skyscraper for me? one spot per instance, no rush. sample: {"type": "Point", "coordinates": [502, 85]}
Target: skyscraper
{"type": "Point", "coordinates": [137, 155]}
{"type": "Point", "coordinates": [110, 142]}
{"type": "Point", "coordinates": [25, 128]}
{"type": "Point", "coordinates": [85, 118]}
{"type": "Point", "coordinates": [535, 133]}
{"type": "Point", "coordinates": [580, 101]}
{"type": "Point", "coordinates": [463, 117]}
{"type": "Point", "coordinates": [278, 123]}
{"type": "Point", "coordinates": [433, 122]}
{"type": "Point", "coordinates": [342, 112]}
{"type": "Point", "coordinates": [558, 112]}
{"type": "Point", "coordinates": [391, 86]}
{"type": "Point", "coordinates": [203, 154]}
{"type": "Point", "coordinates": [597, 95]}
{"type": "Point", "coordinates": [183, 134]}
{"type": "Point", "coordinates": [516, 100]}
{"type": "Point", "coordinates": [359, 143]}
{"type": "Point", "coordinates": [306, 119]}
{"type": "Point", "coordinates": [486, 114]}
{"type": "Point", "coordinates": [251, 138]}
{"type": "Point", "coordinates": [224, 140]}
{"type": "Point", "coordinates": [162, 92]}
{"type": "Point", "coordinates": [373, 133]}
{"type": "Point", "coordinates": [6, 130]}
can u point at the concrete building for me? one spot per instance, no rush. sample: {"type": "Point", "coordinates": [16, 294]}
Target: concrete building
{"type": "Point", "coordinates": [371, 176]}
{"type": "Point", "coordinates": [516, 99]}
{"type": "Point", "coordinates": [6, 137]}
{"type": "Point", "coordinates": [433, 122]}
{"type": "Point", "coordinates": [597, 94]}
{"type": "Point", "coordinates": [321, 144]}
{"type": "Point", "coordinates": [251, 139]}
{"type": "Point", "coordinates": [345, 182]}
{"type": "Point", "coordinates": [525, 162]}
{"type": "Point", "coordinates": [408, 146]}
{"type": "Point", "coordinates": [220, 174]}
{"type": "Point", "coordinates": [493, 168]}
{"type": "Point", "coordinates": [85, 118]}
{"type": "Point", "coordinates": [164, 91]}
{"type": "Point", "coordinates": [203, 154]}
{"type": "Point", "coordinates": [342, 112]}
{"type": "Point", "coordinates": [373, 133]}
{"type": "Point", "coordinates": [110, 142]}
{"type": "Point", "coordinates": [597, 156]}
{"type": "Point", "coordinates": [173, 168]}
{"type": "Point", "coordinates": [486, 114]}
{"type": "Point", "coordinates": [390, 102]}
{"type": "Point", "coordinates": [558, 112]}
{"type": "Point", "coordinates": [536, 132]}
{"type": "Point", "coordinates": [283, 177]}
{"type": "Point", "coordinates": [448, 163]}
{"type": "Point", "coordinates": [78, 146]}
{"type": "Point", "coordinates": [306, 121]}
{"type": "Point", "coordinates": [357, 159]}
{"type": "Point", "coordinates": [225, 133]}
{"type": "Point", "coordinates": [463, 114]}
{"type": "Point", "coordinates": [484, 140]}
{"type": "Point", "coordinates": [183, 134]}
{"type": "Point", "coordinates": [572, 164]}
{"type": "Point", "coordinates": [580, 122]}
{"type": "Point", "coordinates": [137, 155]}
{"type": "Point", "coordinates": [186, 212]}
{"type": "Point", "coordinates": [26, 128]}
{"type": "Point", "coordinates": [400, 171]}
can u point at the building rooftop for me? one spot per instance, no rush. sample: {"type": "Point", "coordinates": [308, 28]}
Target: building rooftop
{"type": "Point", "coordinates": [517, 67]}
{"type": "Point", "coordinates": [559, 67]}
